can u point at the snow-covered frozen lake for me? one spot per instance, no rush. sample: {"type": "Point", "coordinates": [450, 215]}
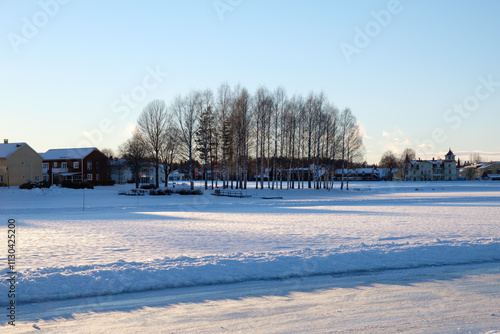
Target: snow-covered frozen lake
{"type": "Point", "coordinates": [75, 243]}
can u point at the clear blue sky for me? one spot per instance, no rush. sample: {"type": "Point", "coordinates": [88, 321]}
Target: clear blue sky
{"type": "Point", "coordinates": [67, 69]}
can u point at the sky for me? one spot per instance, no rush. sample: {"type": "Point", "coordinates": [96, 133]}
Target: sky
{"type": "Point", "coordinates": [417, 74]}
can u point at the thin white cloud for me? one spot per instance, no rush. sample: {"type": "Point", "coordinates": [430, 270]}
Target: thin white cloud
{"type": "Point", "coordinates": [362, 131]}
{"type": "Point", "coordinates": [424, 145]}
{"type": "Point", "coordinates": [129, 129]}
{"type": "Point", "coordinates": [395, 141]}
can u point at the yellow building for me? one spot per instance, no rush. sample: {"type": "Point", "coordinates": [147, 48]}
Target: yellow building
{"type": "Point", "coordinates": [483, 170]}
{"type": "Point", "coordinates": [489, 171]}
{"type": "Point", "coordinates": [469, 173]}
{"type": "Point", "coordinates": [19, 164]}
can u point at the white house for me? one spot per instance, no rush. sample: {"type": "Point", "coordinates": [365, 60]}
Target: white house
{"type": "Point", "coordinates": [431, 170]}
{"type": "Point", "coordinates": [176, 176]}
{"type": "Point", "coordinates": [122, 174]}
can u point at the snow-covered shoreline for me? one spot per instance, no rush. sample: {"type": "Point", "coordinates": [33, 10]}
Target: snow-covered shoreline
{"type": "Point", "coordinates": [125, 244]}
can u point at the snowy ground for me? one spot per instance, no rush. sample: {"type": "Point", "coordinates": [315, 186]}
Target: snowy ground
{"type": "Point", "coordinates": [450, 299]}
{"type": "Point", "coordinates": [137, 244]}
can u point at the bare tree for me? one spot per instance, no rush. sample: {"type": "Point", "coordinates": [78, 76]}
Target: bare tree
{"type": "Point", "coordinates": [470, 173]}
{"type": "Point", "coordinates": [333, 137]}
{"type": "Point", "coordinates": [240, 125]}
{"type": "Point", "coordinates": [290, 120]}
{"type": "Point", "coordinates": [223, 111]}
{"type": "Point", "coordinates": [109, 167]}
{"type": "Point", "coordinates": [170, 149]}
{"type": "Point", "coordinates": [133, 151]}
{"type": "Point", "coordinates": [205, 130]}
{"type": "Point", "coordinates": [352, 143]}
{"type": "Point", "coordinates": [475, 158]}
{"type": "Point", "coordinates": [301, 144]}
{"type": "Point", "coordinates": [118, 167]}
{"type": "Point", "coordinates": [263, 109]}
{"type": "Point", "coordinates": [108, 152]}
{"type": "Point", "coordinates": [355, 147]}
{"type": "Point", "coordinates": [310, 122]}
{"type": "Point", "coordinates": [152, 123]}
{"type": "Point", "coordinates": [320, 120]}
{"type": "Point", "coordinates": [347, 122]}
{"type": "Point", "coordinates": [187, 113]}
{"type": "Point", "coordinates": [278, 106]}
{"type": "Point", "coordinates": [408, 155]}
{"type": "Point", "coordinates": [391, 161]}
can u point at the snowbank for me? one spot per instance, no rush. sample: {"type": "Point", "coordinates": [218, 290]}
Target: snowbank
{"type": "Point", "coordinates": [53, 283]}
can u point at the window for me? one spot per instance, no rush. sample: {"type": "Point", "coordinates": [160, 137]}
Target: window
{"type": "Point", "coordinates": [97, 165]}
{"type": "Point", "coordinates": [89, 165]}
{"type": "Point", "coordinates": [1, 178]}
{"type": "Point", "coordinates": [76, 164]}
{"type": "Point", "coordinates": [37, 178]}
{"type": "Point", "coordinates": [45, 165]}
{"type": "Point", "coordinates": [55, 164]}
{"type": "Point", "coordinates": [64, 164]}
{"type": "Point", "coordinates": [89, 177]}
{"type": "Point", "coordinates": [97, 176]}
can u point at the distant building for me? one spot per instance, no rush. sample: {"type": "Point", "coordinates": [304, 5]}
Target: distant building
{"type": "Point", "coordinates": [19, 164]}
{"type": "Point", "coordinates": [148, 174]}
{"type": "Point", "coordinates": [177, 176]}
{"type": "Point", "coordinates": [365, 174]}
{"type": "Point", "coordinates": [468, 173]}
{"type": "Point", "coordinates": [489, 171]}
{"type": "Point", "coordinates": [431, 170]}
{"type": "Point", "coordinates": [74, 165]}
{"type": "Point", "coordinates": [121, 173]}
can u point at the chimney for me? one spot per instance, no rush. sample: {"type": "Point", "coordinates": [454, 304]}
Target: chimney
{"type": "Point", "coordinates": [5, 141]}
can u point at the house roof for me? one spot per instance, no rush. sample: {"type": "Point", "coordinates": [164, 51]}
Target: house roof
{"type": "Point", "coordinates": [67, 153]}
{"type": "Point", "coordinates": [433, 162]}
{"type": "Point", "coordinates": [488, 165]}
{"type": "Point", "coordinates": [6, 150]}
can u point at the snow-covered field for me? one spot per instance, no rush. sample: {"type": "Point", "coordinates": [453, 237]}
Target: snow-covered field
{"type": "Point", "coordinates": [128, 244]}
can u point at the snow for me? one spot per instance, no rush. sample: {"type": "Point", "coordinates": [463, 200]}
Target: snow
{"type": "Point", "coordinates": [129, 244]}
{"type": "Point", "coordinates": [6, 150]}
{"type": "Point", "coordinates": [67, 153]}
{"type": "Point", "coordinates": [450, 299]}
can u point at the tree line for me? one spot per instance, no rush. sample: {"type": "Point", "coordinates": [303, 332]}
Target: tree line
{"type": "Point", "coordinates": [237, 136]}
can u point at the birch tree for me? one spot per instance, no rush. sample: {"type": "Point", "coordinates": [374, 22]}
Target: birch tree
{"type": "Point", "coordinates": [278, 106]}
{"type": "Point", "coordinates": [152, 122]}
{"type": "Point", "coordinates": [187, 113]}
{"type": "Point", "coordinates": [348, 121]}
{"type": "Point", "coordinates": [223, 105]}
{"type": "Point", "coordinates": [170, 149]}
{"type": "Point", "coordinates": [133, 151]}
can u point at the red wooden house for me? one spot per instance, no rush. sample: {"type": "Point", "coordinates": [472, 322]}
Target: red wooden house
{"type": "Point", "coordinates": [74, 165]}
